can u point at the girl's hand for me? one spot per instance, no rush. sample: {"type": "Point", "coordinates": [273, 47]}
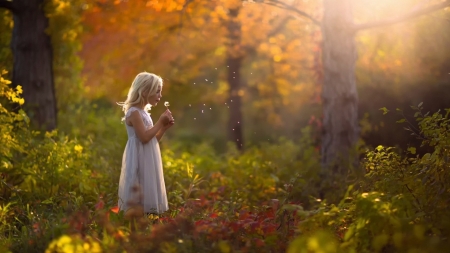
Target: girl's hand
{"type": "Point", "coordinates": [171, 122]}
{"type": "Point", "coordinates": [166, 117]}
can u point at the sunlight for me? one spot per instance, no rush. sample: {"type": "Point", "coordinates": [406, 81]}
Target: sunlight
{"type": "Point", "coordinates": [368, 10]}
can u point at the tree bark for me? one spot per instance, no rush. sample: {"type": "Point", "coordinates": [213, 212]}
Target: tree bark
{"type": "Point", "coordinates": [33, 62]}
{"type": "Point", "coordinates": [339, 93]}
{"type": "Point", "coordinates": [234, 62]}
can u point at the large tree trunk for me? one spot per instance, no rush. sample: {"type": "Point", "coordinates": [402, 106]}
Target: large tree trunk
{"type": "Point", "coordinates": [234, 62]}
{"type": "Point", "coordinates": [33, 66]}
{"type": "Point", "coordinates": [339, 94]}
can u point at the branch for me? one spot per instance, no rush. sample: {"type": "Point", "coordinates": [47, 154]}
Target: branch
{"type": "Point", "coordinates": [9, 5]}
{"type": "Point", "coordinates": [280, 26]}
{"type": "Point", "coordinates": [403, 17]}
{"type": "Point", "coordinates": [279, 4]}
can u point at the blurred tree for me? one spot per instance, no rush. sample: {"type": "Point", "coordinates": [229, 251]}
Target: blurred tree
{"type": "Point", "coordinates": [44, 41]}
{"type": "Point", "coordinates": [339, 93]}
{"type": "Point", "coordinates": [33, 62]}
{"type": "Point", "coordinates": [254, 41]}
{"type": "Point", "coordinates": [235, 55]}
{"type": "Point", "coordinates": [253, 35]}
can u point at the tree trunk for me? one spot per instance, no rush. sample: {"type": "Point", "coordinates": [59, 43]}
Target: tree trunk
{"type": "Point", "coordinates": [234, 62]}
{"type": "Point", "coordinates": [339, 94]}
{"type": "Point", "coordinates": [33, 62]}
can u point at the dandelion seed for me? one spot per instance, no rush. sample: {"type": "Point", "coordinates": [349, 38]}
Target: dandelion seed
{"type": "Point", "coordinates": [238, 122]}
{"type": "Point", "coordinates": [231, 101]}
{"type": "Point", "coordinates": [195, 118]}
{"type": "Point", "coordinates": [210, 108]}
{"type": "Point", "coordinates": [233, 129]}
{"type": "Point", "coordinates": [189, 105]}
{"type": "Point", "coordinates": [228, 66]}
{"type": "Point", "coordinates": [216, 68]}
{"type": "Point", "coordinates": [206, 79]}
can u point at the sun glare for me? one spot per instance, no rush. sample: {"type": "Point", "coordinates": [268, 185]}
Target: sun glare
{"type": "Point", "coordinates": [369, 10]}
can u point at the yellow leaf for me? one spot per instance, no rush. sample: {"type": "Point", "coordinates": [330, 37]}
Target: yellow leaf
{"type": "Point", "coordinates": [277, 58]}
{"type": "Point", "coordinates": [19, 89]}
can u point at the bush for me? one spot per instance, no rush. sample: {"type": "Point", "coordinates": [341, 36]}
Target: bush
{"type": "Point", "coordinates": [402, 203]}
{"type": "Point", "coordinates": [59, 192]}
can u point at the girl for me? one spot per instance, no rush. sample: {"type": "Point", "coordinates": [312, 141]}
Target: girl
{"type": "Point", "coordinates": [141, 178]}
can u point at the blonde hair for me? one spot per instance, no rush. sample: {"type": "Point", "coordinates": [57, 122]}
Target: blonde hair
{"type": "Point", "coordinates": [144, 84]}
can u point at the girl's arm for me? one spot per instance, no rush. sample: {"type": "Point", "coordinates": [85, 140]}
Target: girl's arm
{"type": "Point", "coordinates": [161, 132]}
{"type": "Point", "coordinates": [145, 135]}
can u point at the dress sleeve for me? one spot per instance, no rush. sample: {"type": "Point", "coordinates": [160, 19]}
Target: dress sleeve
{"type": "Point", "coordinates": [130, 110]}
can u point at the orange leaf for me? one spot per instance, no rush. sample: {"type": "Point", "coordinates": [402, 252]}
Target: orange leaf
{"type": "Point", "coordinates": [115, 209]}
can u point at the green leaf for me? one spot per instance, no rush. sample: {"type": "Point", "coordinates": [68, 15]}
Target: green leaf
{"type": "Point", "coordinates": [349, 233]}
{"type": "Point", "coordinates": [385, 110]}
{"type": "Point", "coordinates": [224, 247]}
{"type": "Point", "coordinates": [48, 201]}
{"type": "Point", "coordinates": [412, 150]}
{"type": "Point", "coordinates": [380, 241]}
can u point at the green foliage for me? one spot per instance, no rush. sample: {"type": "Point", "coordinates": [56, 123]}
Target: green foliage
{"type": "Point", "coordinates": [43, 176]}
{"type": "Point", "coordinates": [402, 203]}
{"type": "Point", "coordinates": [6, 24]}
{"type": "Point", "coordinates": [65, 29]}
{"type": "Point", "coordinates": [59, 192]}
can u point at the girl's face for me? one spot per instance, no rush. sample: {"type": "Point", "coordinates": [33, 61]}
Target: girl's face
{"type": "Point", "coordinates": [155, 98]}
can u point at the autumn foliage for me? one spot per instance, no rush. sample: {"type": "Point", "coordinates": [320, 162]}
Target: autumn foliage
{"type": "Point", "coordinates": [58, 189]}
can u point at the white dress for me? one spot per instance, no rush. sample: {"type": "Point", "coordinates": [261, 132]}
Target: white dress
{"type": "Point", "coordinates": [141, 177]}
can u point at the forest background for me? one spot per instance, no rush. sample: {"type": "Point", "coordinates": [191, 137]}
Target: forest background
{"type": "Point", "coordinates": [256, 185]}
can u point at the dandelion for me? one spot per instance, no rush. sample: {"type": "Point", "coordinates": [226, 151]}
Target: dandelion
{"type": "Point", "coordinates": [166, 104]}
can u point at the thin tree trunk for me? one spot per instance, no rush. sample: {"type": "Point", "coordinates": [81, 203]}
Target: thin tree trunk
{"type": "Point", "coordinates": [339, 94]}
{"type": "Point", "coordinates": [234, 62]}
{"type": "Point", "coordinates": [33, 62]}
